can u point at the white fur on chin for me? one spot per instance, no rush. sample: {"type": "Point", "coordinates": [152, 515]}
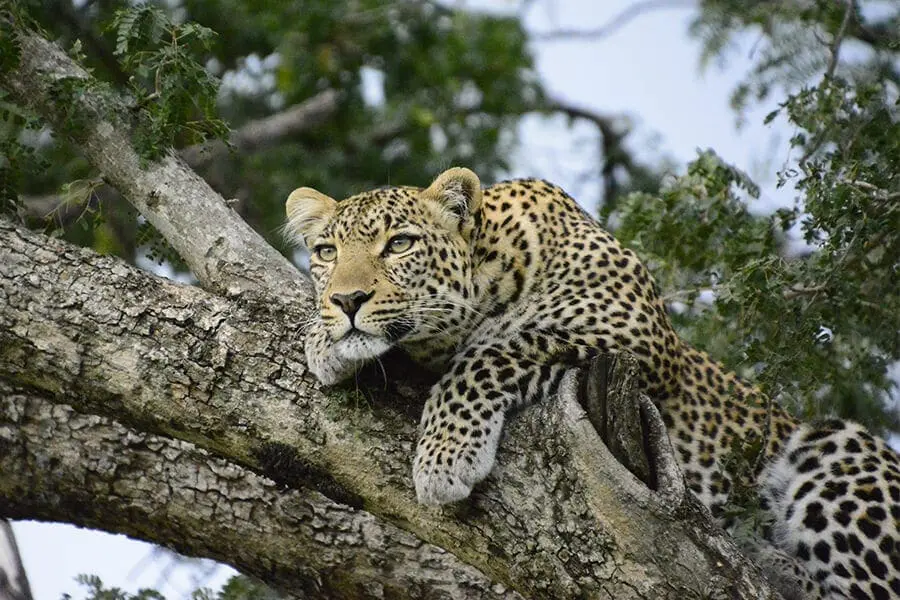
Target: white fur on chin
{"type": "Point", "coordinates": [361, 346]}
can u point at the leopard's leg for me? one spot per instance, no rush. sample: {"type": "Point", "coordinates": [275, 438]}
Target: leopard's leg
{"type": "Point", "coordinates": [464, 415]}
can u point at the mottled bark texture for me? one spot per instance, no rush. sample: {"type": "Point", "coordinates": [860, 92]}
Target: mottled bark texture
{"type": "Point", "coordinates": [560, 517]}
{"type": "Point", "coordinates": [93, 341]}
{"type": "Point", "coordinates": [62, 465]}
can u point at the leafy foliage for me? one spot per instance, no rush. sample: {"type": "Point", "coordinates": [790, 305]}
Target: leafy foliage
{"type": "Point", "coordinates": [95, 590]}
{"type": "Point", "coordinates": [795, 41]}
{"type": "Point", "coordinates": [238, 587]}
{"type": "Point", "coordinates": [815, 320]}
{"type": "Point", "coordinates": [174, 94]}
{"type": "Point", "coordinates": [817, 326]}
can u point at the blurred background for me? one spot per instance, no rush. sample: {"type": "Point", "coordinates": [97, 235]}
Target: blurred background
{"type": "Point", "coordinates": [749, 151]}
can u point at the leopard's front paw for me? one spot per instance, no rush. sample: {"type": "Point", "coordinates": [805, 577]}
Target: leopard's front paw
{"type": "Point", "coordinates": [445, 471]}
{"type": "Point", "coordinates": [439, 485]}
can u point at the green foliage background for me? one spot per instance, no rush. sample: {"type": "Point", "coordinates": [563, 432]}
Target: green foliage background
{"type": "Point", "coordinates": [237, 587]}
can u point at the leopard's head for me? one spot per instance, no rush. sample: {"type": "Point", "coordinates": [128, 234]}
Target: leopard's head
{"type": "Point", "coordinates": [391, 267]}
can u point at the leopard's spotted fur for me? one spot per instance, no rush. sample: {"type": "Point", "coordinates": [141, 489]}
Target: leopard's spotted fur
{"type": "Point", "coordinates": [502, 289]}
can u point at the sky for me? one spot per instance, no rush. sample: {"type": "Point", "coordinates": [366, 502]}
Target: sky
{"type": "Point", "coordinates": [648, 69]}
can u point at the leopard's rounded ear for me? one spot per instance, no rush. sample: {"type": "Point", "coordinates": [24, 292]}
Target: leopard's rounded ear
{"type": "Point", "coordinates": [308, 211]}
{"type": "Point", "coordinates": [458, 191]}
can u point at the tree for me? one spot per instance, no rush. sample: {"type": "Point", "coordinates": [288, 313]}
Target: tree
{"type": "Point", "coordinates": [185, 415]}
{"type": "Point", "coordinates": [13, 581]}
{"type": "Point", "coordinates": [816, 326]}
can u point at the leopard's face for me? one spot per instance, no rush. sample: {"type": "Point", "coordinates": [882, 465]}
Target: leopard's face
{"type": "Point", "coordinates": [391, 268]}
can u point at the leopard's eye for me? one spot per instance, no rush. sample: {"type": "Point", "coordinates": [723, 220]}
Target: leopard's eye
{"type": "Point", "coordinates": [400, 244]}
{"type": "Point", "coordinates": [326, 252]}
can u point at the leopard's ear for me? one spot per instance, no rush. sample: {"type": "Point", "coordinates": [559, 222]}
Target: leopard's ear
{"type": "Point", "coordinates": [458, 191]}
{"type": "Point", "coordinates": [307, 211]}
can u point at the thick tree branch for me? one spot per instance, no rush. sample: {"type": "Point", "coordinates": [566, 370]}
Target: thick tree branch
{"type": "Point", "coordinates": [96, 473]}
{"type": "Point", "coordinates": [560, 517]}
{"type": "Point", "coordinates": [223, 251]}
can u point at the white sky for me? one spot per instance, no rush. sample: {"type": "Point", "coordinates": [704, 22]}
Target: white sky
{"type": "Point", "coordinates": [648, 69]}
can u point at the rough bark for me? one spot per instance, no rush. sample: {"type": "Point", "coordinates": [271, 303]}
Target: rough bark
{"type": "Point", "coordinates": [94, 472]}
{"type": "Point", "coordinates": [558, 518]}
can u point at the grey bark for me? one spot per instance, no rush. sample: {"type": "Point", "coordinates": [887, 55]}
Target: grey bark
{"type": "Point", "coordinates": [94, 472]}
{"type": "Point", "coordinates": [558, 518]}
{"type": "Point", "coordinates": [13, 580]}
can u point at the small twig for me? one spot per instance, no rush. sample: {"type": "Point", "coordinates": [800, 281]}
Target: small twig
{"type": "Point", "coordinates": [797, 291]}
{"type": "Point", "coordinates": [268, 131]}
{"type": "Point", "coordinates": [866, 187]}
{"type": "Point", "coordinates": [835, 50]}
{"type": "Point", "coordinates": [838, 39]}
{"type": "Point", "coordinates": [614, 24]}
{"type": "Point", "coordinates": [813, 291]}
{"type": "Point", "coordinates": [679, 294]}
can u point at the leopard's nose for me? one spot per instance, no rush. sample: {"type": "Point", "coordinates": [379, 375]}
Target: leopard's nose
{"type": "Point", "coordinates": [350, 303]}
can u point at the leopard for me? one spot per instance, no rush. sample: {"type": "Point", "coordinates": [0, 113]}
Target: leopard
{"type": "Point", "coordinates": [501, 289]}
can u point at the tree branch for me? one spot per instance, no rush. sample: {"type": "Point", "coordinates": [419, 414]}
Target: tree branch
{"type": "Point", "coordinates": [558, 518]}
{"type": "Point", "coordinates": [13, 581]}
{"type": "Point", "coordinates": [106, 476]}
{"type": "Point", "coordinates": [252, 136]}
{"type": "Point", "coordinates": [613, 154]}
{"type": "Point", "coordinates": [613, 25]}
{"type": "Point", "coordinates": [835, 47]}
{"type": "Point", "coordinates": [883, 35]}
{"type": "Point", "coordinates": [268, 131]}
{"type": "Point", "coordinates": [223, 252]}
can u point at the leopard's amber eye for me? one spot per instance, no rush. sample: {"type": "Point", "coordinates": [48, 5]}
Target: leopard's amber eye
{"type": "Point", "coordinates": [400, 244]}
{"type": "Point", "coordinates": [326, 252]}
